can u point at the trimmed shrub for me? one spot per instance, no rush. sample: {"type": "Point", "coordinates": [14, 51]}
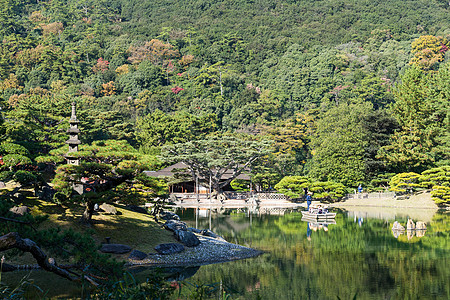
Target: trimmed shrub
{"type": "Point", "coordinates": [292, 186]}
{"type": "Point", "coordinates": [24, 177]}
{"type": "Point", "coordinates": [240, 185]}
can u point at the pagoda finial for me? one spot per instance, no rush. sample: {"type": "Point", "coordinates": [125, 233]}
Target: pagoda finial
{"type": "Point", "coordinates": [74, 116]}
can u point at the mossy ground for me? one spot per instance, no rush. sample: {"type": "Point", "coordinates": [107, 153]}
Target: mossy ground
{"type": "Point", "coordinates": [139, 231]}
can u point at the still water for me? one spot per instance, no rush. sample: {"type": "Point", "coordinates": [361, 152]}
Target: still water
{"type": "Point", "coordinates": [353, 256]}
{"type": "Point", "coordinates": [356, 257]}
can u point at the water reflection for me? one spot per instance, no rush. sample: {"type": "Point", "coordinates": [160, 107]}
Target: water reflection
{"type": "Point", "coordinates": [390, 213]}
{"type": "Point", "coordinates": [314, 225]}
{"type": "Point", "coordinates": [412, 229]}
{"type": "Point", "coordinates": [356, 254]}
{"type": "Point", "coordinates": [171, 274]}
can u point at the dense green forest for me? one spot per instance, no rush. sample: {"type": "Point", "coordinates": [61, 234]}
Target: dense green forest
{"type": "Point", "coordinates": [347, 91]}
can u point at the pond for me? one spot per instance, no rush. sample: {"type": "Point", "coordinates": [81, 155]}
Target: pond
{"type": "Point", "coordinates": [357, 255]}
{"type": "Point", "coordinates": [353, 256]}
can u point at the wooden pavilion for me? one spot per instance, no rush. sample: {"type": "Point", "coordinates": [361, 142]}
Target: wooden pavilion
{"type": "Point", "coordinates": [184, 182]}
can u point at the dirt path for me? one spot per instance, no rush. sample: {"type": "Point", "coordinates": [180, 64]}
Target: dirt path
{"type": "Point", "coordinates": [422, 201]}
{"type": "Point", "coordinates": [418, 207]}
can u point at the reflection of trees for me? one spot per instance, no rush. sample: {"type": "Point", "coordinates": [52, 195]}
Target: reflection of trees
{"type": "Point", "coordinates": [438, 235]}
{"type": "Point", "coordinates": [346, 260]}
{"type": "Point", "coordinates": [422, 262]}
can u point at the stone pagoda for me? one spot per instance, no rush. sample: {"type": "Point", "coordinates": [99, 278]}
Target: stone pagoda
{"type": "Point", "coordinates": [73, 140]}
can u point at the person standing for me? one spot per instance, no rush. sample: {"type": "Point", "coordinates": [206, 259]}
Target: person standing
{"type": "Point", "coordinates": [308, 200]}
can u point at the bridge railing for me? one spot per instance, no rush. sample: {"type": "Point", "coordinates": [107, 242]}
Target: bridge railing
{"type": "Point", "coordinates": [272, 196]}
{"type": "Point", "coordinates": [375, 195]}
{"type": "Point", "coordinates": [259, 196]}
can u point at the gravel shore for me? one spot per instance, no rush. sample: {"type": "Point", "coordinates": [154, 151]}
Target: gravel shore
{"type": "Point", "coordinates": [209, 251]}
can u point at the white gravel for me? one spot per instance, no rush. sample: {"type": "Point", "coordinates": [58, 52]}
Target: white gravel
{"type": "Point", "coordinates": [208, 252]}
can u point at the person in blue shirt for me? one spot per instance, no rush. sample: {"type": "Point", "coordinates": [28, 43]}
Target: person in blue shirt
{"type": "Point", "coordinates": [360, 189]}
{"type": "Point", "coordinates": [308, 200]}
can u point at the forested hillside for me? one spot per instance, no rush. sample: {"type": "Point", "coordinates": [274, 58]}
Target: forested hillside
{"type": "Point", "coordinates": [346, 90]}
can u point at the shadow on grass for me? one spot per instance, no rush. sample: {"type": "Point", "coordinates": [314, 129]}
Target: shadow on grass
{"type": "Point", "coordinates": [43, 206]}
{"type": "Point", "coordinates": [135, 229]}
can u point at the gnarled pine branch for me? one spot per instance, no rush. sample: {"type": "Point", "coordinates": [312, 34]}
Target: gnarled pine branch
{"type": "Point", "coordinates": [13, 240]}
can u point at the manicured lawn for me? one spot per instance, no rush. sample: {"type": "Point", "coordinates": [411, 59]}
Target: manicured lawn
{"type": "Point", "coordinates": [137, 230]}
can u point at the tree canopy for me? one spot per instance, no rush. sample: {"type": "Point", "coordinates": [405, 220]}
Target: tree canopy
{"type": "Point", "coordinates": [208, 160]}
{"type": "Point", "coordinates": [155, 79]}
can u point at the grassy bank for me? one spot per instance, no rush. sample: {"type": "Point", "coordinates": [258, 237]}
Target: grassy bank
{"type": "Point", "coordinates": [139, 231]}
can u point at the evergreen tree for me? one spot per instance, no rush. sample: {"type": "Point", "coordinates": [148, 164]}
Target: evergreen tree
{"type": "Point", "coordinates": [412, 147]}
{"type": "Point", "coordinates": [210, 158]}
{"type": "Point", "coordinates": [339, 145]}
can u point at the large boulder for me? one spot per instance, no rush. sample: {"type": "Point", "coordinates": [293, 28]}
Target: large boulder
{"type": "Point", "coordinates": [108, 208]}
{"type": "Point", "coordinates": [19, 211]}
{"type": "Point", "coordinates": [137, 255]}
{"type": "Point", "coordinates": [221, 197]}
{"type": "Point", "coordinates": [18, 196]}
{"type": "Point", "coordinates": [421, 226]}
{"type": "Point", "coordinates": [173, 198]}
{"type": "Point", "coordinates": [115, 248]}
{"type": "Point", "coordinates": [137, 209]}
{"type": "Point", "coordinates": [410, 225]}
{"type": "Point", "coordinates": [46, 193]}
{"type": "Point", "coordinates": [167, 215]}
{"type": "Point", "coordinates": [397, 226]}
{"type": "Point", "coordinates": [187, 238]}
{"type": "Point", "coordinates": [195, 230]}
{"type": "Point", "coordinates": [169, 248]}
{"type": "Point", "coordinates": [173, 225]}
{"type": "Point", "coordinates": [209, 233]}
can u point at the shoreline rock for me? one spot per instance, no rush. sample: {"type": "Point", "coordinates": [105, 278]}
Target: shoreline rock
{"type": "Point", "coordinates": [169, 248]}
{"type": "Point", "coordinates": [209, 251]}
{"type": "Point", "coordinates": [115, 248]}
{"type": "Point", "coordinates": [202, 247]}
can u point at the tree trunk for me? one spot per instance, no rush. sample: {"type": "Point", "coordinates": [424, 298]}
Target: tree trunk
{"type": "Point", "coordinates": [87, 214]}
